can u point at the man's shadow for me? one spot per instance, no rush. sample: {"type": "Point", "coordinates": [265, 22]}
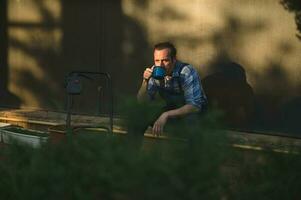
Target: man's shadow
{"type": "Point", "coordinates": [228, 91]}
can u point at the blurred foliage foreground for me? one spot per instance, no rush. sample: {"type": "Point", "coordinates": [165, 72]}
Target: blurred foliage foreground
{"type": "Point", "coordinates": [103, 166]}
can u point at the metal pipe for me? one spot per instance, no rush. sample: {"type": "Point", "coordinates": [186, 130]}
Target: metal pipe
{"type": "Point", "coordinates": [110, 87]}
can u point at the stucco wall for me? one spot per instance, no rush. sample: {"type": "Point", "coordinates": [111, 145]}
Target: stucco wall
{"type": "Point", "coordinates": [47, 39]}
{"type": "Point", "coordinates": [260, 35]}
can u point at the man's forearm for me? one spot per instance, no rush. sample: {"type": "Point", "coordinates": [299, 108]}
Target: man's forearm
{"type": "Point", "coordinates": [161, 121]}
{"type": "Point", "coordinates": [142, 93]}
{"type": "Point", "coordinates": [184, 110]}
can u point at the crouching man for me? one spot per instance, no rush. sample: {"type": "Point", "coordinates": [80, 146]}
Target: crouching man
{"type": "Point", "coordinates": [177, 83]}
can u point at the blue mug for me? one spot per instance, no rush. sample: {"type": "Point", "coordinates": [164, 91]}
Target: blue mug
{"type": "Point", "coordinates": [158, 73]}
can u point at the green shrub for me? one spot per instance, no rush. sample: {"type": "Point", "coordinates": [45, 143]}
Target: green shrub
{"type": "Point", "coordinates": [105, 166]}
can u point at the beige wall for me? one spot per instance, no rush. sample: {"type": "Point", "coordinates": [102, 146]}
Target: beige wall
{"type": "Point", "coordinates": [34, 47]}
{"type": "Point", "coordinates": [49, 38]}
{"type": "Point", "coordinates": [260, 35]}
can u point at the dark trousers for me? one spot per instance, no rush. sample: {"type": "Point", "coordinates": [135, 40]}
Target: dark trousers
{"type": "Point", "coordinates": [175, 127]}
{"type": "Point", "coordinates": [172, 125]}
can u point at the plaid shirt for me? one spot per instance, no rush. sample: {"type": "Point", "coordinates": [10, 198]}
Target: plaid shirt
{"type": "Point", "coordinates": [184, 83]}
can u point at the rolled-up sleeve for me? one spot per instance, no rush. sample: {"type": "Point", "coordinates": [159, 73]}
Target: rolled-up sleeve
{"type": "Point", "coordinates": [192, 88]}
{"type": "Point", "coordinates": [151, 88]}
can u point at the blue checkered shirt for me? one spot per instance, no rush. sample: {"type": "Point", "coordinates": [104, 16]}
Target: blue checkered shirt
{"type": "Point", "coordinates": [184, 83]}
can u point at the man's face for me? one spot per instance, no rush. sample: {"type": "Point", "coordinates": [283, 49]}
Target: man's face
{"type": "Point", "coordinates": [162, 58]}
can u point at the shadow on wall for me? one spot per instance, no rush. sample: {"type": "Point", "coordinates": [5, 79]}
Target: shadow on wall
{"type": "Point", "coordinates": [228, 90]}
{"type": "Point", "coordinates": [95, 35]}
{"type": "Point", "coordinates": [290, 115]}
{"type": "Point", "coordinates": [272, 107]}
{"type": "Point", "coordinates": [281, 111]}
{"type": "Point", "coordinates": [35, 49]}
{"type": "Point", "coordinates": [6, 97]}
{"type": "Point", "coordinates": [82, 49]}
{"type": "Point", "coordinates": [226, 86]}
{"type": "Point", "coordinates": [294, 6]}
{"type": "Point", "coordinates": [111, 42]}
{"type": "Point", "coordinates": [128, 39]}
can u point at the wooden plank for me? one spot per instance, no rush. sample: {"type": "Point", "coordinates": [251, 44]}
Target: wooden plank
{"type": "Point", "coordinates": [238, 139]}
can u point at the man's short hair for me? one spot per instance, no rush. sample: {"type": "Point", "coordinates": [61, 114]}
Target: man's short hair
{"type": "Point", "coordinates": [167, 45]}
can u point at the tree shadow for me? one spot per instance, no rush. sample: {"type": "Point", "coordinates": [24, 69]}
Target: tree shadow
{"type": "Point", "coordinates": [7, 99]}
{"type": "Point", "coordinates": [278, 112]}
{"type": "Point", "coordinates": [109, 43]}
{"type": "Point", "coordinates": [295, 7]}
{"type": "Point", "coordinates": [96, 36]}
{"type": "Point", "coordinates": [169, 13]}
{"type": "Point", "coordinates": [291, 110]}
{"type": "Point", "coordinates": [272, 108]}
{"type": "Point", "coordinates": [226, 84]}
{"type": "Point", "coordinates": [290, 115]}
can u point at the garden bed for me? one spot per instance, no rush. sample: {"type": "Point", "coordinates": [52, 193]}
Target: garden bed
{"type": "Point", "coordinates": [24, 136]}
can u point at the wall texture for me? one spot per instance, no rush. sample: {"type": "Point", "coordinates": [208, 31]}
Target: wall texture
{"type": "Point", "coordinates": [46, 39]}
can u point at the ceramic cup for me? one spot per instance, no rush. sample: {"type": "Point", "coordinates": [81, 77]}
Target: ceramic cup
{"type": "Point", "coordinates": [158, 73]}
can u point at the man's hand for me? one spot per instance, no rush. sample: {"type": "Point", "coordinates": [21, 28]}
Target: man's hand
{"type": "Point", "coordinates": [142, 93]}
{"type": "Point", "coordinates": [147, 73]}
{"type": "Point", "coordinates": [182, 111]}
{"type": "Point", "coordinates": [159, 124]}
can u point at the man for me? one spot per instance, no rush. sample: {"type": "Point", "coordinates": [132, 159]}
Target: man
{"type": "Point", "coordinates": [181, 87]}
